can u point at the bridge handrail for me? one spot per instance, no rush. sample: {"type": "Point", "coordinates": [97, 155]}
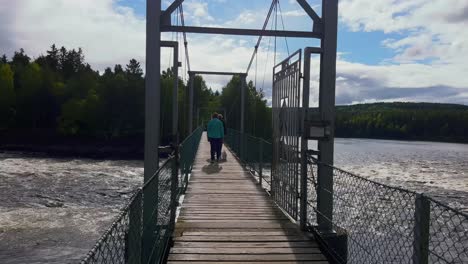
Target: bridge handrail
{"type": "Point", "coordinates": [122, 241]}
{"type": "Point", "coordinates": [256, 154]}
{"type": "Point", "coordinates": [385, 223]}
{"type": "Point", "coordinates": [187, 150]}
{"type": "Point", "coordinates": [91, 255]}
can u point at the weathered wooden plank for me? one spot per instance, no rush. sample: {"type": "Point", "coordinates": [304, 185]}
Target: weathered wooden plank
{"type": "Point", "coordinates": [237, 221]}
{"type": "Point", "coordinates": [250, 262]}
{"type": "Point", "coordinates": [227, 204]}
{"type": "Point", "coordinates": [240, 233]}
{"type": "Point", "coordinates": [239, 238]}
{"type": "Point", "coordinates": [230, 209]}
{"type": "Point", "coordinates": [243, 257]}
{"type": "Point", "coordinates": [224, 198]}
{"type": "Point", "coordinates": [226, 217]}
{"type": "Point", "coordinates": [251, 244]}
{"type": "Point", "coordinates": [208, 225]}
{"type": "Point", "coordinates": [236, 230]}
{"type": "Point", "coordinates": [239, 250]}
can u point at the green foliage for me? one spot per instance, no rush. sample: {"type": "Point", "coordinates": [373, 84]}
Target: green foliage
{"type": "Point", "coordinates": [257, 115]}
{"type": "Point", "coordinates": [61, 94]}
{"type": "Point", "coordinates": [7, 96]}
{"type": "Point", "coordinates": [414, 121]}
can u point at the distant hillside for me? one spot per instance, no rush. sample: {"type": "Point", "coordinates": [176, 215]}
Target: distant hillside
{"type": "Point", "coordinates": [413, 121]}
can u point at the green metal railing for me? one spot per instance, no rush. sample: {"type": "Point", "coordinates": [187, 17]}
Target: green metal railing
{"type": "Point", "coordinates": [132, 239]}
{"type": "Point", "coordinates": [255, 153]}
{"type": "Point", "coordinates": [188, 149]}
{"type": "Point", "coordinates": [382, 224]}
{"type": "Point", "coordinates": [386, 224]}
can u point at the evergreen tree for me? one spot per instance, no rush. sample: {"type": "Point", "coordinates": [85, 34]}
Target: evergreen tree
{"type": "Point", "coordinates": [7, 96]}
{"type": "Point", "coordinates": [3, 59]}
{"type": "Point", "coordinates": [134, 68]}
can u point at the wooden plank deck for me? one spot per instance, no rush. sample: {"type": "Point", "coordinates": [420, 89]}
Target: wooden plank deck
{"type": "Point", "coordinates": [227, 218]}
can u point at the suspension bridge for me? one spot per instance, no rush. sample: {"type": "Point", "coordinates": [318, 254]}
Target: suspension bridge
{"type": "Point", "coordinates": [270, 202]}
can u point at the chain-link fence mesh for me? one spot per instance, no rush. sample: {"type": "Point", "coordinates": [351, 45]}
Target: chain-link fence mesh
{"type": "Point", "coordinates": [255, 153]}
{"type": "Point", "coordinates": [156, 223]}
{"type": "Point", "coordinates": [386, 224]}
{"type": "Point", "coordinates": [448, 234]}
{"type": "Point", "coordinates": [122, 242]}
{"type": "Point", "coordinates": [117, 244]}
{"type": "Point", "coordinates": [188, 150]}
{"type": "Point", "coordinates": [135, 237]}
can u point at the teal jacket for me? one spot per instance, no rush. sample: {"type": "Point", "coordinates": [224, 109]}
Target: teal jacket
{"type": "Point", "coordinates": [215, 128]}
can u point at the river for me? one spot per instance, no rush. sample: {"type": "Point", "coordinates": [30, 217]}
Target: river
{"type": "Point", "coordinates": [53, 210]}
{"type": "Point", "coordinates": [435, 168]}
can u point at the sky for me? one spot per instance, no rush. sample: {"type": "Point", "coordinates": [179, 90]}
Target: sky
{"type": "Point", "coordinates": [388, 50]}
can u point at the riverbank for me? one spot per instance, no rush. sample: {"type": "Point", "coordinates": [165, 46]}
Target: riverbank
{"type": "Point", "coordinates": [127, 152]}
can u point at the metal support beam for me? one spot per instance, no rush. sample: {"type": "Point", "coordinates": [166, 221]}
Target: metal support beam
{"type": "Point", "coordinates": [309, 11]}
{"type": "Point", "coordinates": [175, 70]}
{"type": "Point", "coordinates": [327, 112]}
{"type": "Point", "coordinates": [243, 94]}
{"type": "Point", "coordinates": [175, 128]}
{"type": "Point", "coordinates": [152, 114]}
{"type": "Point", "coordinates": [304, 140]}
{"type": "Point", "coordinates": [241, 31]}
{"type": "Point", "coordinates": [191, 92]}
{"type": "Point", "coordinates": [242, 117]}
{"type": "Point", "coordinates": [217, 73]}
{"type": "Point", "coordinates": [422, 216]}
{"type": "Point", "coordinates": [166, 14]}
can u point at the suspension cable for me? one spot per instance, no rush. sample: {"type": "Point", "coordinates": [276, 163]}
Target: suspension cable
{"type": "Point", "coordinates": [256, 71]}
{"type": "Point", "coordinates": [266, 62]}
{"type": "Point", "coordinates": [273, 4]}
{"type": "Point", "coordinates": [276, 28]}
{"type": "Point", "coordinates": [185, 37]}
{"type": "Point", "coordinates": [284, 28]}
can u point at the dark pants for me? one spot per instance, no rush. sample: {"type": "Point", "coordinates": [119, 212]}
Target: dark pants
{"type": "Point", "coordinates": [216, 145]}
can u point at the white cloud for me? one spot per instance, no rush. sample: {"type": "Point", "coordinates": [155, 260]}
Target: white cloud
{"type": "Point", "coordinates": [428, 29]}
{"type": "Point", "coordinates": [108, 33]}
{"type": "Point", "coordinates": [429, 39]}
{"type": "Point", "coordinates": [197, 12]}
{"type": "Point", "coordinates": [433, 32]}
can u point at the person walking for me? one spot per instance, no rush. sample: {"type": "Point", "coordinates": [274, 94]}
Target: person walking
{"type": "Point", "coordinates": [215, 133]}
{"type": "Point", "coordinates": [223, 153]}
{"type": "Point", "coordinates": [221, 118]}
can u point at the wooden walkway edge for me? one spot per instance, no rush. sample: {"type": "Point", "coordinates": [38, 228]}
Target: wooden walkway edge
{"type": "Point", "coordinates": [227, 218]}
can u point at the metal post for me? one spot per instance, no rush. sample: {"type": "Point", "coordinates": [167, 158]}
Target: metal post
{"type": "Point", "coordinates": [243, 92]}
{"type": "Point", "coordinates": [152, 114]}
{"type": "Point", "coordinates": [174, 190]}
{"type": "Point", "coordinates": [304, 138]}
{"type": "Point", "coordinates": [242, 119]}
{"type": "Point", "coordinates": [191, 91]}
{"type": "Point", "coordinates": [133, 244]}
{"type": "Point", "coordinates": [175, 137]}
{"type": "Point", "coordinates": [260, 170]}
{"type": "Point", "coordinates": [175, 94]}
{"type": "Point", "coordinates": [327, 112]}
{"type": "Point", "coordinates": [422, 216]}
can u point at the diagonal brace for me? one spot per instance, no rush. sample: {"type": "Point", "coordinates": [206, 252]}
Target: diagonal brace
{"type": "Point", "coordinates": [309, 10]}
{"type": "Point", "coordinates": [166, 14]}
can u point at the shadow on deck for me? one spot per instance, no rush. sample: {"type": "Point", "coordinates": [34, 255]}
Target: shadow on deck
{"type": "Point", "coordinates": [226, 217]}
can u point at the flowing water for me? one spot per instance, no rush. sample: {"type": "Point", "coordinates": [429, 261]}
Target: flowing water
{"type": "Point", "coordinates": [53, 210]}
{"type": "Point", "coordinates": [434, 168]}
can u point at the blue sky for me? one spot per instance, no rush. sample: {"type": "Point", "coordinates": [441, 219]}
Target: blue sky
{"type": "Point", "coordinates": [388, 50]}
